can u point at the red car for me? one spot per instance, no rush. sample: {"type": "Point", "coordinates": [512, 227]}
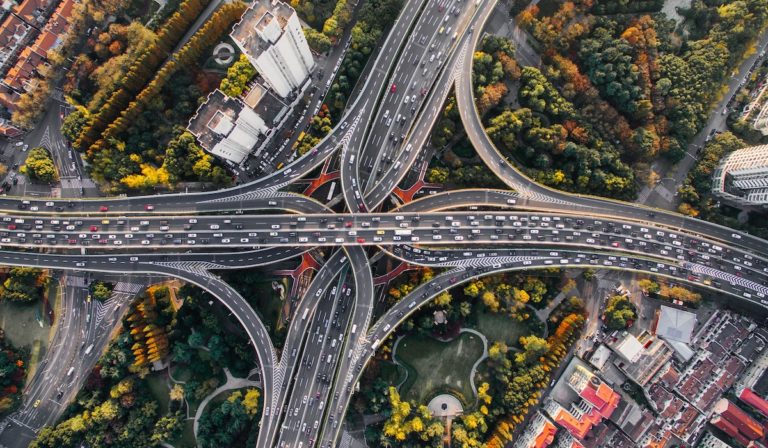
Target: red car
{"type": "Point", "coordinates": [103, 208]}
{"type": "Point", "coordinates": [348, 224]}
{"type": "Point", "coordinates": [11, 226]}
{"type": "Point", "coordinates": [149, 208]}
{"type": "Point", "coordinates": [94, 228]}
{"type": "Point", "coordinates": [361, 240]}
{"type": "Point", "coordinates": [72, 241]}
{"type": "Point", "coordinates": [393, 89]}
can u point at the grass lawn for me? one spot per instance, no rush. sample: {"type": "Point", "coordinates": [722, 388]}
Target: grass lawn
{"type": "Point", "coordinates": [158, 386]}
{"type": "Point", "coordinates": [22, 325]}
{"type": "Point", "coordinates": [391, 372]}
{"type": "Point", "coordinates": [433, 364]}
{"type": "Point", "coordinates": [187, 439]}
{"type": "Point", "coordinates": [500, 327]}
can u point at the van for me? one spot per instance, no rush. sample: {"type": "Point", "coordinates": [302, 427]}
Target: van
{"type": "Point", "coordinates": [328, 360]}
{"type": "Point", "coordinates": [397, 165]}
{"type": "Point", "coordinates": [352, 159]}
{"type": "Point", "coordinates": [333, 343]}
{"type": "Point", "coordinates": [386, 114]}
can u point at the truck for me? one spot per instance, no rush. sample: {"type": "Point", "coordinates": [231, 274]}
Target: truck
{"type": "Point", "coordinates": [403, 232]}
{"type": "Point", "coordinates": [88, 350]}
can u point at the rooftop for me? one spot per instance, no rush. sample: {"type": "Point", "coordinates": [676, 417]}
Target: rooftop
{"type": "Point", "coordinates": [262, 20]}
{"type": "Point", "coordinates": [675, 324]}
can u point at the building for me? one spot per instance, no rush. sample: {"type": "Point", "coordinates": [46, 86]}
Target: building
{"type": "Point", "coordinates": [540, 433]}
{"type": "Point", "coordinates": [271, 37]}
{"type": "Point", "coordinates": [675, 325]}
{"type": "Point", "coordinates": [742, 177]}
{"type": "Point", "coordinates": [710, 441]}
{"type": "Point", "coordinates": [13, 32]}
{"type": "Point", "coordinates": [749, 397]}
{"type": "Point", "coordinates": [640, 358]}
{"type": "Point", "coordinates": [225, 127]}
{"type": "Point", "coordinates": [732, 420]}
{"type": "Point", "coordinates": [580, 400]}
{"type": "Point", "coordinates": [229, 128]}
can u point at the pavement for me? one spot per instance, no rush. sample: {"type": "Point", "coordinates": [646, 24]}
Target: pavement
{"type": "Point", "coordinates": [664, 193]}
{"type": "Point", "coordinates": [81, 336]}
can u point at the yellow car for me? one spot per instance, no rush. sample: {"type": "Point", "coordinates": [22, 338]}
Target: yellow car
{"type": "Point", "coordinates": [37, 403]}
{"type": "Point", "coordinates": [379, 232]}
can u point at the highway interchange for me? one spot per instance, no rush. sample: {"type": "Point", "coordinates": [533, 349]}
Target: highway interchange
{"type": "Point", "coordinates": [307, 386]}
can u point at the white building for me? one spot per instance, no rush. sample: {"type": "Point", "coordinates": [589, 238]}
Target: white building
{"type": "Point", "coordinates": [270, 35]}
{"type": "Point", "coordinates": [742, 177]}
{"type": "Point", "coordinates": [230, 128]}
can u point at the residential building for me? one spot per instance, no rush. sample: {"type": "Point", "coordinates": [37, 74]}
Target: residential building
{"type": "Point", "coordinates": [732, 420]}
{"type": "Point", "coordinates": [226, 127]}
{"type": "Point", "coordinates": [13, 32]}
{"type": "Point", "coordinates": [749, 397]}
{"type": "Point", "coordinates": [231, 128]}
{"type": "Point", "coordinates": [580, 400]}
{"type": "Point", "coordinates": [540, 433]}
{"type": "Point", "coordinates": [271, 37]}
{"type": "Point", "coordinates": [640, 358]}
{"type": "Point", "coordinates": [742, 177]}
{"type": "Point", "coordinates": [710, 441]}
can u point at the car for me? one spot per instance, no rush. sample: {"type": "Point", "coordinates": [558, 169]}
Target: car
{"type": "Point", "coordinates": [736, 236]}
{"type": "Point", "coordinates": [393, 89]}
{"type": "Point", "coordinates": [145, 242]}
{"type": "Point", "coordinates": [36, 404]}
{"type": "Point", "coordinates": [49, 204]}
{"type": "Point", "coordinates": [11, 226]}
{"type": "Point", "coordinates": [103, 208]}
{"type": "Point", "coordinates": [80, 264]}
{"type": "Point", "coordinates": [94, 228]}
{"type": "Point", "coordinates": [361, 240]}
{"type": "Point", "coordinates": [149, 207]}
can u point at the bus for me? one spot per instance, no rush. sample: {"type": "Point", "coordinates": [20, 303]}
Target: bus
{"type": "Point", "coordinates": [306, 312]}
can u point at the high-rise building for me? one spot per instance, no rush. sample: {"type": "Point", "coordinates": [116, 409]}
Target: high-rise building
{"type": "Point", "coordinates": [742, 177]}
{"type": "Point", "coordinates": [270, 35]}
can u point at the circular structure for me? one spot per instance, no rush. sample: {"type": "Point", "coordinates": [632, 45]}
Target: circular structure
{"type": "Point", "coordinates": [445, 405]}
{"type": "Point", "coordinates": [224, 53]}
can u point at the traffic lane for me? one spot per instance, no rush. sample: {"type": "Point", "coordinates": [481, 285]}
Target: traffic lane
{"type": "Point", "coordinates": [361, 318]}
{"type": "Point", "coordinates": [377, 193]}
{"type": "Point", "coordinates": [229, 298]}
{"type": "Point", "coordinates": [691, 272]}
{"type": "Point", "coordinates": [323, 346]}
{"type": "Point", "coordinates": [423, 294]}
{"type": "Point", "coordinates": [399, 105]}
{"type": "Point", "coordinates": [388, 139]}
{"type": "Point", "coordinates": [421, 228]}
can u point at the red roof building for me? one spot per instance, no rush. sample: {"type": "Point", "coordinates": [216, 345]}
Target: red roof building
{"type": "Point", "coordinates": [749, 397]}
{"type": "Point", "coordinates": [32, 11]}
{"type": "Point", "coordinates": [13, 30]}
{"type": "Point", "coordinates": [746, 425]}
{"type": "Point", "coordinates": [730, 429]}
{"type": "Point", "coordinates": [540, 433]}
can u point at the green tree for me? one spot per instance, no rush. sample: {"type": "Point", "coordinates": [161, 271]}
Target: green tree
{"type": "Point", "coordinates": [619, 312]}
{"type": "Point", "coordinates": [73, 124]}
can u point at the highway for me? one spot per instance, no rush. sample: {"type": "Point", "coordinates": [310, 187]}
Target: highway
{"type": "Point", "coordinates": [469, 233]}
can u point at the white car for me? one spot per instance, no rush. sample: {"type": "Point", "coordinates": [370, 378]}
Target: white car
{"type": "Point", "coordinates": [145, 242]}
{"type": "Point", "coordinates": [736, 236]}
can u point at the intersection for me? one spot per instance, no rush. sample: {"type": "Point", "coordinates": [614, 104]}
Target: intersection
{"type": "Point", "coordinates": [469, 233]}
